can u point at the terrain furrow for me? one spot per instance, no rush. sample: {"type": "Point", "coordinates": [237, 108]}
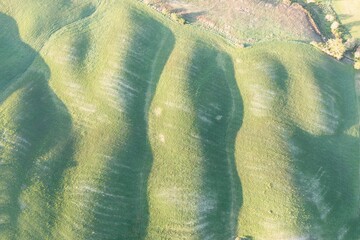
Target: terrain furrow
{"type": "Point", "coordinates": [198, 84]}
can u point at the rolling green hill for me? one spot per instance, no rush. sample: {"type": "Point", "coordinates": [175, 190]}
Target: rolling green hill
{"type": "Point", "coordinates": [118, 123]}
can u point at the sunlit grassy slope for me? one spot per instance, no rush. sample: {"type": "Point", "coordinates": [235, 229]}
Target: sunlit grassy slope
{"type": "Point", "coordinates": [117, 123]}
{"type": "Point", "coordinates": [349, 14]}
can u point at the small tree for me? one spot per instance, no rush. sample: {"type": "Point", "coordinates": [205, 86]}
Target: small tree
{"type": "Point", "coordinates": [177, 18]}
{"type": "Point", "coordinates": [335, 25]}
{"type": "Point", "coordinates": [330, 18]}
{"type": "Point", "coordinates": [357, 58]}
{"type": "Point", "coordinates": [357, 64]}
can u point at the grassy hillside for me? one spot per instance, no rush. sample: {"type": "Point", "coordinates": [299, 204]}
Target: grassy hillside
{"type": "Point", "coordinates": [348, 11]}
{"type": "Point", "coordinates": [293, 153]}
{"type": "Point", "coordinates": [193, 186]}
{"type": "Point", "coordinates": [118, 123]}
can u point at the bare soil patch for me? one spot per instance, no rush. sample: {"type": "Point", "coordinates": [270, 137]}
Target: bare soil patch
{"type": "Point", "coordinates": [245, 21]}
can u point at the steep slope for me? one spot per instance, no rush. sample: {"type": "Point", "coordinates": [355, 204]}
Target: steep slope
{"type": "Point", "coordinates": [126, 125]}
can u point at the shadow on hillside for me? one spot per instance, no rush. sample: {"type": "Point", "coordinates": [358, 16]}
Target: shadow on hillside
{"type": "Point", "coordinates": [219, 109]}
{"type": "Point", "coordinates": [192, 17]}
{"type": "Point", "coordinates": [140, 151]}
{"type": "Point", "coordinates": [344, 16]}
{"type": "Point", "coordinates": [189, 16]}
{"type": "Point", "coordinates": [178, 10]}
{"type": "Point", "coordinates": [353, 24]}
{"type": "Point", "coordinates": [327, 176]}
{"type": "Point", "coordinates": [335, 81]}
{"type": "Point", "coordinates": [123, 213]}
{"type": "Point", "coordinates": [327, 166]}
{"type": "Point", "coordinates": [33, 123]}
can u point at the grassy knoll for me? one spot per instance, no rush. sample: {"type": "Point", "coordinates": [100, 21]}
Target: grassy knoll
{"type": "Point", "coordinates": [118, 123]}
{"type": "Point", "coordinates": [38, 20]}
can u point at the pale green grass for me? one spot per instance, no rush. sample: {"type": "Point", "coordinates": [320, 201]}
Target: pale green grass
{"type": "Point", "coordinates": [127, 125]}
{"type": "Point", "coordinates": [349, 14]}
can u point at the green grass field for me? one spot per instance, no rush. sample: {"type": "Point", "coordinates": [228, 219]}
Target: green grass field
{"type": "Point", "coordinates": [349, 14]}
{"type": "Point", "coordinates": [118, 123]}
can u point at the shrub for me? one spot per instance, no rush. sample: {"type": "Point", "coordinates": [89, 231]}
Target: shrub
{"type": "Point", "coordinates": [357, 58]}
{"type": "Point", "coordinates": [177, 18]}
{"type": "Point", "coordinates": [329, 17]}
{"type": "Point", "coordinates": [336, 29]}
{"type": "Point", "coordinates": [334, 47]}
{"type": "Point", "coordinates": [335, 25]}
{"type": "Point", "coordinates": [165, 11]}
{"type": "Point", "coordinates": [182, 20]}
{"type": "Point", "coordinates": [173, 16]}
{"type": "Point", "coordinates": [357, 64]}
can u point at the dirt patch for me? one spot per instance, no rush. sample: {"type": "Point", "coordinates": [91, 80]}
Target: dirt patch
{"type": "Point", "coordinates": [310, 19]}
{"type": "Point", "coordinates": [245, 21]}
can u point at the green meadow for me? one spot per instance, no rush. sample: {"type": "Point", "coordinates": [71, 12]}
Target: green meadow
{"type": "Point", "coordinates": [119, 123]}
{"type": "Point", "coordinates": [349, 14]}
